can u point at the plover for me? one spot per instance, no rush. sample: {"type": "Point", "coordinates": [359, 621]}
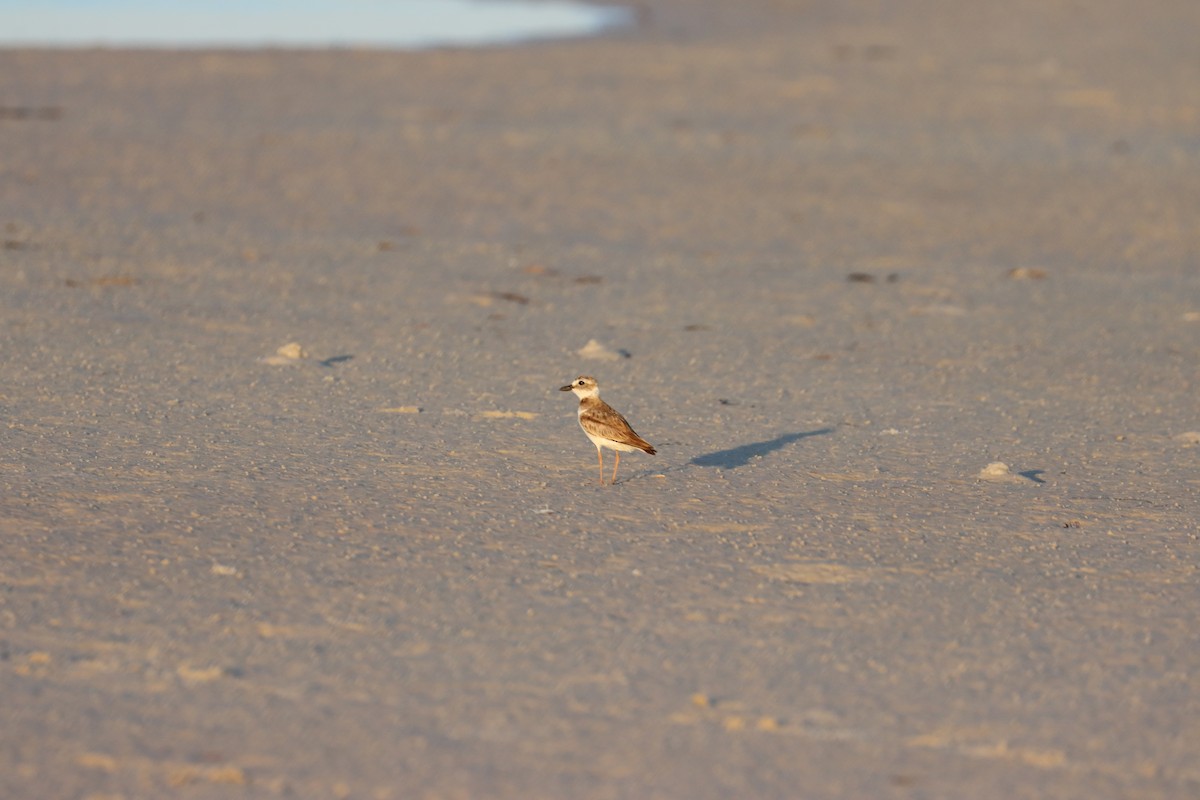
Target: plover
{"type": "Point", "coordinates": [604, 425]}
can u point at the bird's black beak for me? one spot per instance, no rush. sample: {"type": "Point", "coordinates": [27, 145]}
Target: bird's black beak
{"type": "Point", "coordinates": [566, 388]}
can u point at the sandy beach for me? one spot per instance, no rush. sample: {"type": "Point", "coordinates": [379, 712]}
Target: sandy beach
{"type": "Point", "coordinates": [906, 296]}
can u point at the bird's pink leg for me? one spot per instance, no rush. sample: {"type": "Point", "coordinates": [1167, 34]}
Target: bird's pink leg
{"type": "Point", "coordinates": [618, 452]}
{"type": "Point", "coordinates": [600, 458]}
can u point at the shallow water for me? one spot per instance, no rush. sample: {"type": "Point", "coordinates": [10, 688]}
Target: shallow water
{"type": "Point", "coordinates": [398, 24]}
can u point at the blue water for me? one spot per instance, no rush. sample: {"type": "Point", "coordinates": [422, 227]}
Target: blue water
{"type": "Point", "coordinates": [393, 24]}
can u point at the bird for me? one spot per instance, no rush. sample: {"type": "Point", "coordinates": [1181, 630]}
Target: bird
{"type": "Point", "coordinates": [604, 425]}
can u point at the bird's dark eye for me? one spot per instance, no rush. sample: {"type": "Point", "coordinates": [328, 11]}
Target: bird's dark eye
{"type": "Point", "coordinates": [581, 383]}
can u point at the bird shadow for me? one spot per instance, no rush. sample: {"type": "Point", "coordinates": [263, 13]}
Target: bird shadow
{"type": "Point", "coordinates": [740, 456]}
{"type": "Point", "coordinates": [1034, 475]}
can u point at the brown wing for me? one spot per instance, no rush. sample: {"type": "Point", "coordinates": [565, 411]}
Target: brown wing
{"type": "Point", "coordinates": [601, 419]}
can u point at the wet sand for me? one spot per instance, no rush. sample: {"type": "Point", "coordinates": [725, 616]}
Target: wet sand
{"type": "Point", "coordinates": [839, 258]}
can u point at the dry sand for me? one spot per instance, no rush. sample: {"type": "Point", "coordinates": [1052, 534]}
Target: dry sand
{"type": "Point", "coordinates": [840, 259]}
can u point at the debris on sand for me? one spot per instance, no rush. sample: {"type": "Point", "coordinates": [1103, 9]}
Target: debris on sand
{"type": "Point", "coordinates": [511, 297]}
{"type": "Point", "coordinates": [507, 415]}
{"type": "Point", "coordinates": [288, 355]}
{"type": "Point", "coordinates": [996, 471]}
{"type": "Point", "coordinates": [594, 350]}
{"type": "Point", "coordinates": [1188, 437]}
{"type": "Point", "coordinates": [867, 277]}
{"type": "Point", "coordinates": [1027, 274]}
